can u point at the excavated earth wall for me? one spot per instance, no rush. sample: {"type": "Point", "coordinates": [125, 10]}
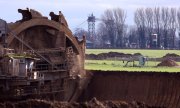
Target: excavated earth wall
{"type": "Point", "coordinates": [153, 88]}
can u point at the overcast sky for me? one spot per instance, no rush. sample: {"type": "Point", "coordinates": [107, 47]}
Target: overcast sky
{"type": "Point", "coordinates": [77, 11]}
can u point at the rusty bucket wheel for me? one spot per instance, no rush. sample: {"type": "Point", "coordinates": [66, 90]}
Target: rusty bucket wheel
{"type": "Point", "coordinates": [47, 41]}
{"type": "Point", "coordinates": [35, 22]}
{"type": "Point", "coordinates": [44, 22]}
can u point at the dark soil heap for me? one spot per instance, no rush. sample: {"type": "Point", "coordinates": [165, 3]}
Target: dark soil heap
{"type": "Point", "coordinates": [102, 56]}
{"type": "Point", "coordinates": [169, 55]}
{"type": "Point", "coordinates": [94, 103]}
{"type": "Point", "coordinates": [168, 62]}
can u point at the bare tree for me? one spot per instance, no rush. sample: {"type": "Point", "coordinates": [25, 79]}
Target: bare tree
{"type": "Point", "coordinates": [139, 19]}
{"type": "Point", "coordinates": [161, 21]}
{"type": "Point", "coordinates": [178, 19]}
{"type": "Point", "coordinates": [165, 17]}
{"type": "Point", "coordinates": [119, 21]}
{"type": "Point", "coordinates": [133, 35]}
{"type": "Point", "coordinates": [157, 25]}
{"type": "Point", "coordinates": [79, 32]}
{"type": "Point", "coordinates": [108, 20]}
{"type": "Point", "coordinates": [178, 23]}
{"type": "Point", "coordinates": [149, 24]}
{"type": "Point", "coordinates": [172, 27]}
{"type": "Point", "coordinates": [102, 33]}
{"type": "Point", "coordinates": [114, 23]}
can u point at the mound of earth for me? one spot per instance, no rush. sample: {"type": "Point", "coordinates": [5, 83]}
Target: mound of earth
{"type": "Point", "coordinates": [168, 62]}
{"type": "Point", "coordinates": [102, 56]}
{"type": "Point", "coordinates": [91, 56]}
{"type": "Point", "coordinates": [94, 103]}
{"type": "Point", "coordinates": [170, 55]}
{"type": "Point", "coordinates": [137, 54]}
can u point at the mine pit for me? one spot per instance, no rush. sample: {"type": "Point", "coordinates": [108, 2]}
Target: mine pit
{"type": "Point", "coordinates": [42, 66]}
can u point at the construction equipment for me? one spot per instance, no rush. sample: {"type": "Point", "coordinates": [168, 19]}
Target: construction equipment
{"type": "Point", "coordinates": [40, 58]}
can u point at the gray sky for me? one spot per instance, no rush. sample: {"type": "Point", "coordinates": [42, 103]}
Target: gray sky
{"type": "Point", "coordinates": [77, 11]}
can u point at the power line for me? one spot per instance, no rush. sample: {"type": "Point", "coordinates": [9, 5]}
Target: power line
{"type": "Point", "coordinates": [81, 24]}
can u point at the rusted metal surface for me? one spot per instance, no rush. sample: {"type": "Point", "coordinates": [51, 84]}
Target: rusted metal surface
{"type": "Point", "coordinates": [53, 58]}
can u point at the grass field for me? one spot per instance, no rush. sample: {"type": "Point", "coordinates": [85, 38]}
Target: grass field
{"type": "Point", "coordinates": [120, 66]}
{"type": "Point", "coordinates": [150, 53]}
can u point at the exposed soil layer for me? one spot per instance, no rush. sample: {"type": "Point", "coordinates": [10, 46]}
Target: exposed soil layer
{"type": "Point", "coordinates": [103, 56]}
{"type": "Point", "coordinates": [168, 62]}
{"type": "Point", "coordinates": [94, 103]}
{"type": "Point", "coordinates": [109, 55]}
{"type": "Point", "coordinates": [170, 55]}
{"type": "Point", "coordinates": [152, 88]}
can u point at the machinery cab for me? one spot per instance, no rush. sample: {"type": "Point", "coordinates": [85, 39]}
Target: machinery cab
{"type": "Point", "coordinates": [17, 65]}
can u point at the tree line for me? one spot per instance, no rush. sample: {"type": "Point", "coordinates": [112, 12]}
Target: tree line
{"type": "Point", "coordinates": [153, 28]}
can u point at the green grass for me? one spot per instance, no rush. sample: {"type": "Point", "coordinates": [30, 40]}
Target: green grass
{"type": "Point", "coordinates": [150, 53]}
{"type": "Point", "coordinates": [120, 63]}
{"type": "Point", "coordinates": [119, 66]}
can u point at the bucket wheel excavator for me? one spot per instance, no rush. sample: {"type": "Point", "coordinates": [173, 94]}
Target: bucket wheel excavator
{"type": "Point", "coordinates": [40, 58]}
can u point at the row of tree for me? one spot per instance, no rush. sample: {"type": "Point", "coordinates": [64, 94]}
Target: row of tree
{"type": "Point", "coordinates": [113, 31]}
{"type": "Point", "coordinates": [112, 28]}
{"type": "Point", "coordinates": [161, 21]}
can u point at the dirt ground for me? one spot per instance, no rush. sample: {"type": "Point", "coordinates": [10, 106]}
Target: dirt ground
{"type": "Point", "coordinates": [153, 88]}
{"type": "Point", "coordinates": [168, 62]}
{"type": "Point", "coordinates": [135, 89]}
{"type": "Point", "coordinates": [170, 55]}
{"type": "Point", "coordinates": [94, 103]}
{"type": "Point", "coordinates": [103, 56]}
{"type": "Point", "coordinates": [115, 89]}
